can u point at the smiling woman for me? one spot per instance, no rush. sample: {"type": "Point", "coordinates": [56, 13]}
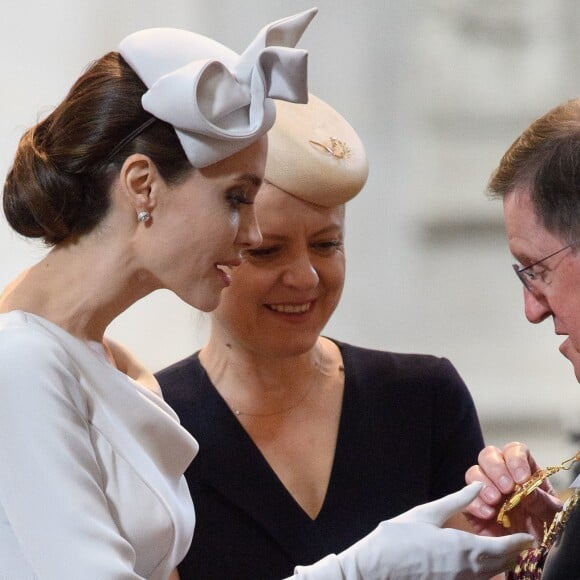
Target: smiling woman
{"type": "Point", "coordinates": [303, 433]}
{"type": "Point", "coordinates": [286, 289]}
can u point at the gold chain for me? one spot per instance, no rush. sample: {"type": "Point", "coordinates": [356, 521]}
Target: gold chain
{"type": "Point", "coordinates": [525, 489]}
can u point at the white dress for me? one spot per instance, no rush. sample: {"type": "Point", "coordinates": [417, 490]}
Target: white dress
{"type": "Point", "coordinates": [91, 464]}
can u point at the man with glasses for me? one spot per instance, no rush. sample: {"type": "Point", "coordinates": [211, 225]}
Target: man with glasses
{"type": "Point", "coordinates": [538, 180]}
{"type": "Point", "coordinates": [535, 276]}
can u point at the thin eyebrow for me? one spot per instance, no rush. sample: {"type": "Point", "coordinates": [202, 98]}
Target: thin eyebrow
{"type": "Point", "coordinates": [250, 178]}
{"type": "Point", "coordinates": [280, 237]}
{"type": "Point", "coordinates": [328, 229]}
{"type": "Point", "coordinates": [273, 237]}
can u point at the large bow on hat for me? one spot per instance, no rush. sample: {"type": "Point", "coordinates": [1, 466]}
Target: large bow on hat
{"type": "Point", "coordinates": [219, 102]}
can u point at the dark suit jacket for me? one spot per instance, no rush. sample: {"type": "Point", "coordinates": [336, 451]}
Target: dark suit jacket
{"type": "Point", "coordinates": [563, 561]}
{"type": "Point", "coordinates": [408, 431]}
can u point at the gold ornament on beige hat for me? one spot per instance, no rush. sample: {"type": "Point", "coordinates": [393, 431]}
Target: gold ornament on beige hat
{"type": "Point", "coordinates": [315, 154]}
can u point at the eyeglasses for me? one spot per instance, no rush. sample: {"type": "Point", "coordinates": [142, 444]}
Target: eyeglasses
{"type": "Point", "coordinates": [528, 277]}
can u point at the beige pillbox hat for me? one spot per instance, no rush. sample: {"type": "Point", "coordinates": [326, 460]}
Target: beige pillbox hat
{"type": "Point", "coordinates": [315, 154]}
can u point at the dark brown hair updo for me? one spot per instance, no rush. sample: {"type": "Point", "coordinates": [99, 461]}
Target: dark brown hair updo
{"type": "Point", "coordinates": [58, 186]}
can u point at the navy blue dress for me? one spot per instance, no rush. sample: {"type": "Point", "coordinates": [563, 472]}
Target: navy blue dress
{"type": "Point", "coordinates": [408, 431]}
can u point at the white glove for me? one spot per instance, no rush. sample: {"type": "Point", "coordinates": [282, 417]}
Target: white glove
{"type": "Point", "coordinates": [414, 546]}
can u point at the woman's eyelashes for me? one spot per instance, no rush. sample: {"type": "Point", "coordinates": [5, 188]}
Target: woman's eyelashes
{"type": "Point", "coordinates": [261, 252]}
{"type": "Point", "coordinates": [269, 251]}
{"type": "Point", "coordinates": [238, 197]}
{"type": "Point", "coordinates": [328, 246]}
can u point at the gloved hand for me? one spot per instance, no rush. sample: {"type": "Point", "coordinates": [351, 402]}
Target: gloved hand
{"type": "Point", "coordinates": [414, 546]}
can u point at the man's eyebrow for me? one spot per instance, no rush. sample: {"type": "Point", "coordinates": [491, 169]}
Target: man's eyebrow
{"type": "Point", "coordinates": [522, 259]}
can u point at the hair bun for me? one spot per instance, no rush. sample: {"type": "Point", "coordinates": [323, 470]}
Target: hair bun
{"type": "Point", "coordinates": [37, 200]}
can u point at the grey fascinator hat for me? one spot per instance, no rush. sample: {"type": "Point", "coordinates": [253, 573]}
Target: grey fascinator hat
{"type": "Point", "coordinates": [218, 101]}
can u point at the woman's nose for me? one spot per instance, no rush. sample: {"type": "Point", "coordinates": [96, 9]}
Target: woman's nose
{"type": "Point", "coordinates": [301, 273]}
{"type": "Point", "coordinates": [249, 234]}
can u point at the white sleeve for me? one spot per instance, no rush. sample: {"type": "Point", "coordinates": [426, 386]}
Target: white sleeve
{"type": "Point", "coordinates": [50, 482]}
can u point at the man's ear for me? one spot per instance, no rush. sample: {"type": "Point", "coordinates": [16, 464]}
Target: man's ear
{"type": "Point", "coordinates": [139, 178]}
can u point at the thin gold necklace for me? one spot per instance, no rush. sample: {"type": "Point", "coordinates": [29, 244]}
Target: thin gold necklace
{"type": "Point", "coordinates": [283, 411]}
{"type": "Point", "coordinates": [325, 368]}
{"type": "Point", "coordinates": [238, 412]}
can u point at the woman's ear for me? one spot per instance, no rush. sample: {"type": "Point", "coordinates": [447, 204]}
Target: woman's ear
{"type": "Point", "coordinates": [140, 180]}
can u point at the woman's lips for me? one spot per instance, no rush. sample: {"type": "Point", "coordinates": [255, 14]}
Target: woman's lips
{"type": "Point", "coordinates": [225, 270]}
{"type": "Point", "coordinates": [224, 275]}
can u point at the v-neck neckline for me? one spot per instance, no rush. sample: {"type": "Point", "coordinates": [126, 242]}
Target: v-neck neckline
{"type": "Point", "coordinates": [256, 456]}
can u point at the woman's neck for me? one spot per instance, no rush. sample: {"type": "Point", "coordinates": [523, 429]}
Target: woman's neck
{"type": "Point", "coordinates": [268, 384]}
{"type": "Point", "coordinates": [80, 286]}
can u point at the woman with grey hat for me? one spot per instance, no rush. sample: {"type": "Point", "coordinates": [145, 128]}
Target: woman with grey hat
{"type": "Point", "coordinates": [142, 178]}
{"type": "Point", "coordinates": [308, 443]}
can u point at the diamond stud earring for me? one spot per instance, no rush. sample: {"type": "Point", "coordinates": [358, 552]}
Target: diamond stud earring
{"type": "Point", "coordinates": [143, 216]}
